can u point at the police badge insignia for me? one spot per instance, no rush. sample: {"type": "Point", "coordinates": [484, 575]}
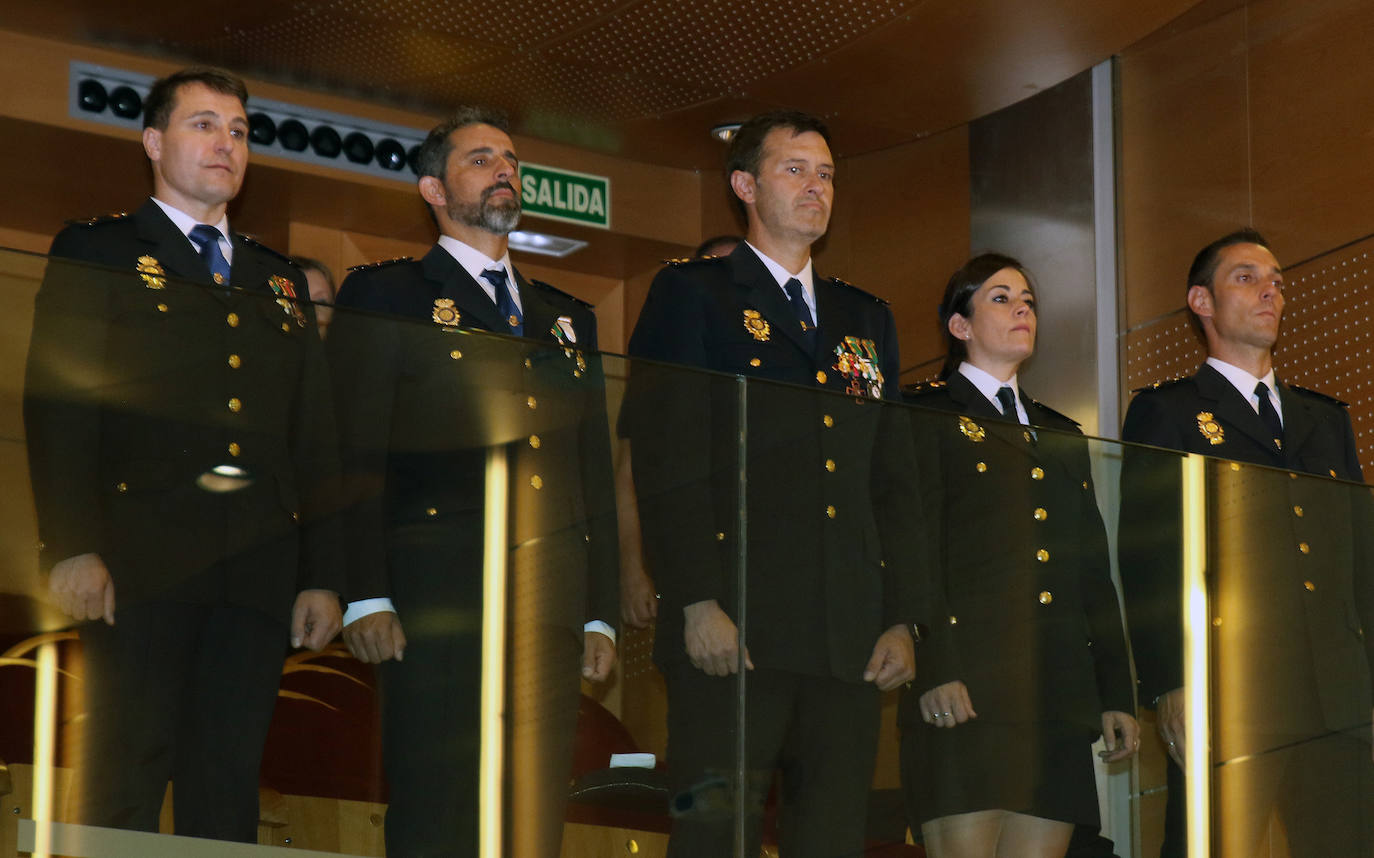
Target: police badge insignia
{"type": "Point", "coordinates": [971, 430]}
{"type": "Point", "coordinates": [1210, 428]}
{"type": "Point", "coordinates": [445, 313]}
{"type": "Point", "coordinates": [756, 325]}
{"type": "Point", "coordinates": [857, 361]}
{"type": "Point", "coordinates": [151, 272]}
{"type": "Point", "coordinates": [286, 297]}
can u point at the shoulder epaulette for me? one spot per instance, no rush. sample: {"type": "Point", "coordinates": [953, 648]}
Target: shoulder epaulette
{"type": "Point", "coordinates": [920, 388]}
{"type": "Point", "coordinates": [1317, 394]}
{"type": "Point", "coordinates": [99, 219]}
{"type": "Point", "coordinates": [846, 284]}
{"type": "Point", "coordinates": [367, 266]}
{"type": "Point", "coordinates": [691, 260]}
{"type": "Point", "coordinates": [1043, 407]}
{"type": "Point", "coordinates": [1162, 384]}
{"type": "Point", "coordinates": [252, 241]}
{"type": "Point", "coordinates": [559, 292]}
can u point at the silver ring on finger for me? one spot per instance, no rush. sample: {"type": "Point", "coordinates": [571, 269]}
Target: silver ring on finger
{"type": "Point", "coordinates": [946, 714]}
{"type": "Point", "coordinates": [936, 716]}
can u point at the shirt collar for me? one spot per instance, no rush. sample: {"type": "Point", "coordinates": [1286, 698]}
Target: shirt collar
{"type": "Point", "coordinates": [988, 385]}
{"type": "Point", "coordinates": [1245, 383]}
{"type": "Point", "coordinates": [782, 275]}
{"type": "Point", "coordinates": [186, 223]}
{"type": "Point", "coordinates": [474, 262]}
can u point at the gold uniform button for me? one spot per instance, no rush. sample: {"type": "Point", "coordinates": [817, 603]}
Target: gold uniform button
{"type": "Point", "coordinates": [1046, 597]}
{"type": "Point", "coordinates": [720, 537]}
{"type": "Point", "coordinates": [1297, 510]}
{"type": "Point", "coordinates": [285, 328]}
{"type": "Point", "coordinates": [1331, 471]}
{"type": "Point", "coordinates": [981, 467]}
{"type": "Point", "coordinates": [1042, 555]}
{"type": "Point", "coordinates": [1216, 622]}
{"type": "Point", "coordinates": [535, 442]}
{"type": "Point", "coordinates": [219, 279]}
{"type": "Point", "coordinates": [431, 512]}
{"type": "Point", "coordinates": [122, 488]}
{"type": "Point", "coordinates": [1026, 434]}
{"type": "Point", "coordinates": [532, 403]}
{"type": "Point", "coordinates": [830, 511]}
{"type": "Point", "coordinates": [235, 404]}
{"type": "Point", "coordinates": [456, 355]}
{"type": "Point", "coordinates": [1292, 476]}
{"type": "Point", "coordinates": [1304, 548]}
{"type": "Point", "coordinates": [232, 320]}
{"type": "Point", "coordinates": [1040, 514]}
{"type": "Point", "coordinates": [513, 319]}
{"type": "Point", "coordinates": [295, 516]}
{"type": "Point", "coordinates": [162, 308]}
{"type": "Point", "coordinates": [529, 364]}
{"type": "Point", "coordinates": [830, 465]}
{"type": "Point", "coordinates": [1085, 485]}
{"type": "Point", "coordinates": [954, 621]}
{"type": "Point", "coordinates": [234, 448]}
{"type": "Point", "coordinates": [1309, 586]}
{"type": "Point", "coordinates": [820, 379]}
{"type": "Point", "coordinates": [755, 362]}
{"type": "Point", "coordinates": [1037, 473]}
{"type": "Point", "coordinates": [828, 421]}
{"type": "Point", "coordinates": [235, 361]}
{"type": "Point", "coordinates": [1235, 466]}
{"type": "Point", "coordinates": [537, 481]}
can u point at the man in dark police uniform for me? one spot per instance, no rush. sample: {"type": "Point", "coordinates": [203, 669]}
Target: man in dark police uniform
{"type": "Point", "coordinates": [1289, 574]}
{"type": "Point", "coordinates": [180, 439]}
{"type": "Point", "coordinates": [833, 574]}
{"type": "Point", "coordinates": [424, 405]}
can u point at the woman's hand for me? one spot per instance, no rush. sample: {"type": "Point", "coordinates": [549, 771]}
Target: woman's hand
{"type": "Point", "coordinates": [1122, 735]}
{"type": "Point", "coordinates": [947, 705]}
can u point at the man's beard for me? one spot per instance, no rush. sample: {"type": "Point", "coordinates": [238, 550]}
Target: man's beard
{"type": "Point", "coordinates": [499, 218]}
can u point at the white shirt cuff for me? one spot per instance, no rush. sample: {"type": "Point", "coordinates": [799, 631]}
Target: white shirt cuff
{"type": "Point", "coordinates": [361, 608]}
{"type": "Point", "coordinates": [595, 626]}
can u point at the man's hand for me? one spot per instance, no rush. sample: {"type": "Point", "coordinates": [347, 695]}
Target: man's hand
{"type": "Point", "coordinates": [598, 656]}
{"type": "Point", "coordinates": [893, 661]}
{"type": "Point", "coordinates": [638, 601]}
{"type": "Point", "coordinates": [947, 705]}
{"type": "Point", "coordinates": [376, 637]}
{"type": "Point", "coordinates": [1170, 720]}
{"type": "Point", "coordinates": [712, 639]}
{"type": "Point", "coordinates": [1121, 733]}
{"type": "Point", "coordinates": [315, 619]}
{"type": "Point", "coordinates": [83, 588]}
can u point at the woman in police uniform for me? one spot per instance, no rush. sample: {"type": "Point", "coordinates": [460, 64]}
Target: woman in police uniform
{"type": "Point", "coordinates": [1030, 665]}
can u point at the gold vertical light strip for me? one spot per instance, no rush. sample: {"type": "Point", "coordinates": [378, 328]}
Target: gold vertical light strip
{"type": "Point", "coordinates": [492, 759]}
{"type": "Point", "coordinates": [44, 743]}
{"type": "Point", "coordinates": [1196, 684]}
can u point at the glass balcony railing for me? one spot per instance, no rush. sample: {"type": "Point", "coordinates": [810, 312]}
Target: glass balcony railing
{"type": "Point", "coordinates": [184, 461]}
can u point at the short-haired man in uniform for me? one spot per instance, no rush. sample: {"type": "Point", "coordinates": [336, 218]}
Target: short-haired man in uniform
{"type": "Point", "coordinates": [1289, 573]}
{"type": "Point", "coordinates": [832, 571]}
{"type": "Point", "coordinates": [420, 405]}
{"type": "Point", "coordinates": [181, 446]}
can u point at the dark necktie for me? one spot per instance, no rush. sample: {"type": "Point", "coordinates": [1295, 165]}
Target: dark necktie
{"type": "Point", "coordinates": [1007, 399]}
{"type": "Point", "coordinates": [1269, 415]}
{"type": "Point", "coordinates": [793, 288]}
{"type": "Point", "coordinates": [207, 238]}
{"type": "Point", "coordinates": [505, 302]}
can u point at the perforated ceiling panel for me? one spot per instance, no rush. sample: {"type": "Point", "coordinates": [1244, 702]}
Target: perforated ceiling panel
{"type": "Point", "coordinates": [1328, 331]}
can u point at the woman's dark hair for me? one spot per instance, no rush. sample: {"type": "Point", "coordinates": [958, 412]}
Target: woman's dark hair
{"type": "Point", "coordinates": [959, 295]}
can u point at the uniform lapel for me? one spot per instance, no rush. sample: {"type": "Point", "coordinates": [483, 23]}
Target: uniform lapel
{"type": "Point", "coordinates": [1233, 409]}
{"type": "Point", "coordinates": [451, 281]}
{"type": "Point", "coordinates": [1297, 422]}
{"type": "Point", "coordinates": [168, 245]}
{"type": "Point", "coordinates": [970, 400]}
{"type": "Point", "coordinates": [761, 292]}
{"type": "Point", "coordinates": [540, 316]}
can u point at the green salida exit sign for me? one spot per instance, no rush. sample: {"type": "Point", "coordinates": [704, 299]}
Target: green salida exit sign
{"type": "Point", "coordinates": [565, 195]}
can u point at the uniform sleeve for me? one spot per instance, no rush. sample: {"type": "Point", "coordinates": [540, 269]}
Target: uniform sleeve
{"type": "Point", "coordinates": [363, 363]}
{"type": "Point", "coordinates": [64, 384]}
{"type": "Point", "coordinates": [1151, 546]}
{"type": "Point", "coordinates": [1101, 607]}
{"type": "Point", "coordinates": [676, 418]}
{"type": "Point", "coordinates": [598, 490]}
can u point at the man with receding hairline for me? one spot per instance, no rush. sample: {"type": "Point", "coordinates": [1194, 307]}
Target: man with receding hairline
{"type": "Point", "coordinates": [180, 478]}
{"type": "Point", "coordinates": [1288, 571]}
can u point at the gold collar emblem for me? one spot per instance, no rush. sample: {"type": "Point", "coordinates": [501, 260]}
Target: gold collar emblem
{"type": "Point", "coordinates": [971, 430]}
{"type": "Point", "coordinates": [151, 272]}
{"type": "Point", "coordinates": [1210, 428]}
{"type": "Point", "coordinates": [445, 313]}
{"type": "Point", "coordinates": [756, 325]}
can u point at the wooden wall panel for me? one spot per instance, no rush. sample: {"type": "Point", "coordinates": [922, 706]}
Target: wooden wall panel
{"type": "Point", "coordinates": [1184, 164]}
